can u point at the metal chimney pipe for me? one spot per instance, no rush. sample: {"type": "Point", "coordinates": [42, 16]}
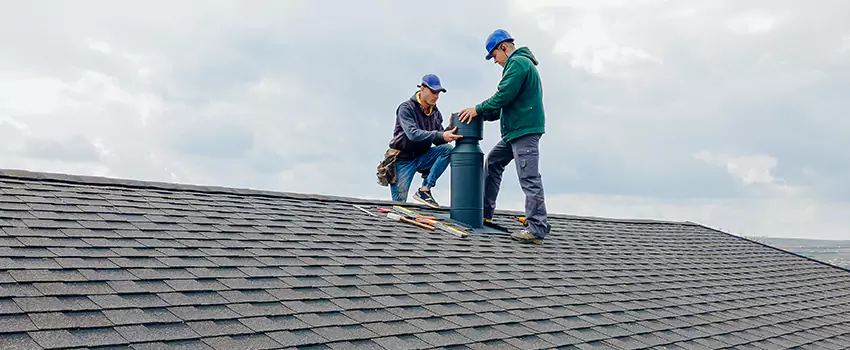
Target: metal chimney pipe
{"type": "Point", "coordinates": [467, 167]}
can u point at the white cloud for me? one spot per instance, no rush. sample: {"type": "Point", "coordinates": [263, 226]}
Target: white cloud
{"type": "Point", "coordinates": [751, 169]}
{"type": "Point", "coordinates": [592, 48]}
{"type": "Point", "coordinates": [753, 23]}
{"type": "Point", "coordinates": [99, 46]}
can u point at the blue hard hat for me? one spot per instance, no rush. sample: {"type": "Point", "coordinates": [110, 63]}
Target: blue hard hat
{"type": "Point", "coordinates": [497, 37]}
{"type": "Point", "coordinates": [432, 82]}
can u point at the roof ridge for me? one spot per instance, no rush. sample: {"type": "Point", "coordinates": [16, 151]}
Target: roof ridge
{"type": "Point", "coordinates": [769, 246]}
{"type": "Point", "coordinates": [22, 174]}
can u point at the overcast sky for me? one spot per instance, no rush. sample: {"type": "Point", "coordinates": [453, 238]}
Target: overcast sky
{"type": "Point", "coordinates": [732, 114]}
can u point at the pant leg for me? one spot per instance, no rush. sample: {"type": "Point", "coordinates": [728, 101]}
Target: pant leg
{"type": "Point", "coordinates": [527, 154]}
{"type": "Point", "coordinates": [405, 170]}
{"type": "Point", "coordinates": [494, 166]}
{"type": "Point", "coordinates": [437, 159]}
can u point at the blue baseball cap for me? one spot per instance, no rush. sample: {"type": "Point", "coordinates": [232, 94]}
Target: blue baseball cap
{"type": "Point", "coordinates": [432, 82]}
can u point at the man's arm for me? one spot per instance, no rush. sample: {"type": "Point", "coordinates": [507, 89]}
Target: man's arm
{"type": "Point", "coordinates": [414, 133]}
{"type": "Point", "coordinates": [491, 115]}
{"type": "Point", "coordinates": [508, 89]}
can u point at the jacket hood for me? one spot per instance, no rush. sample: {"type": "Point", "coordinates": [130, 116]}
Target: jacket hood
{"type": "Point", "coordinates": [525, 52]}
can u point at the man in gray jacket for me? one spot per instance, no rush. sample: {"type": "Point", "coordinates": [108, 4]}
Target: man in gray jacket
{"type": "Point", "coordinates": [418, 127]}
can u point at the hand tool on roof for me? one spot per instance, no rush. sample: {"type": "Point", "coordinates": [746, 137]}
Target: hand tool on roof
{"type": "Point", "coordinates": [444, 227]}
{"type": "Point", "coordinates": [383, 210]}
{"type": "Point", "coordinates": [398, 217]}
{"type": "Point", "coordinates": [523, 220]}
{"type": "Point", "coordinates": [364, 210]}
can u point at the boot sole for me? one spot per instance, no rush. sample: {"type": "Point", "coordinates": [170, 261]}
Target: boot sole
{"type": "Point", "coordinates": [420, 200]}
{"type": "Point", "coordinates": [532, 240]}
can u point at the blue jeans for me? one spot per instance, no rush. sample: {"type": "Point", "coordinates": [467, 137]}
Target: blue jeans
{"type": "Point", "coordinates": [436, 159]}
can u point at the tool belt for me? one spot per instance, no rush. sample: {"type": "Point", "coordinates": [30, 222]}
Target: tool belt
{"type": "Point", "coordinates": [387, 169]}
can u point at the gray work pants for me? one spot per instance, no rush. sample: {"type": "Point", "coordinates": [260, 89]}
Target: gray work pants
{"type": "Point", "coordinates": [526, 152]}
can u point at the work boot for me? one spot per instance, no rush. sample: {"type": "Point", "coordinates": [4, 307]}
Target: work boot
{"type": "Point", "coordinates": [426, 198]}
{"type": "Point", "coordinates": [526, 237]}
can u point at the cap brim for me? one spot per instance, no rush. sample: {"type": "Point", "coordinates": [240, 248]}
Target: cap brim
{"type": "Point", "coordinates": [439, 88]}
{"type": "Point", "coordinates": [488, 57]}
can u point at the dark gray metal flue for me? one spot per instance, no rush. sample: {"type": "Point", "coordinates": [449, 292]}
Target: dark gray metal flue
{"type": "Point", "coordinates": [467, 161]}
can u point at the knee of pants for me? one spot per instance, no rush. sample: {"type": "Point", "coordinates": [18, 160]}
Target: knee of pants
{"type": "Point", "coordinates": [493, 163]}
{"type": "Point", "coordinates": [446, 148]}
{"type": "Point", "coordinates": [399, 193]}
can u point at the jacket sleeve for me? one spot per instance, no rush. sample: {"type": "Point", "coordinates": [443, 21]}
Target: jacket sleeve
{"type": "Point", "coordinates": [508, 89]}
{"type": "Point", "coordinates": [414, 133]}
{"type": "Point", "coordinates": [440, 129]}
{"type": "Point", "coordinates": [491, 115]}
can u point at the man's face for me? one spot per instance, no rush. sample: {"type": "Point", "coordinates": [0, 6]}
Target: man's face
{"type": "Point", "coordinates": [429, 96]}
{"type": "Point", "coordinates": [499, 55]}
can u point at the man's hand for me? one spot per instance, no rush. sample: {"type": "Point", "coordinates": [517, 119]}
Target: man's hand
{"type": "Point", "coordinates": [449, 135]}
{"type": "Point", "coordinates": [466, 115]}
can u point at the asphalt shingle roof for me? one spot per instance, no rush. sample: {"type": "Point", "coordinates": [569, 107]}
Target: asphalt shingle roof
{"type": "Point", "coordinates": [88, 262]}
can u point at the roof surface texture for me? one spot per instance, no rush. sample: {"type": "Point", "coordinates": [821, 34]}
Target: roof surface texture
{"type": "Point", "coordinates": [88, 262]}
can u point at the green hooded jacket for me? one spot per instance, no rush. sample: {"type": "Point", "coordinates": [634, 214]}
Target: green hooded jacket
{"type": "Point", "coordinates": [518, 102]}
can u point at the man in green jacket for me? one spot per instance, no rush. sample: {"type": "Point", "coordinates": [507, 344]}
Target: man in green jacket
{"type": "Point", "coordinates": [518, 104]}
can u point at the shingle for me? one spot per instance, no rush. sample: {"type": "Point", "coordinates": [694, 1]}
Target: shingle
{"type": "Point", "coordinates": [356, 303]}
{"type": "Point", "coordinates": [17, 341]}
{"type": "Point", "coordinates": [16, 323]}
{"type": "Point", "coordinates": [263, 271]}
{"type": "Point", "coordinates": [501, 316]}
{"type": "Point", "coordinates": [60, 303]}
{"type": "Point", "coordinates": [195, 285]}
{"type": "Point", "coordinates": [514, 329]}
{"type": "Point", "coordinates": [492, 344]}
{"type": "Point", "coordinates": [138, 262]}
{"type": "Point", "coordinates": [370, 315]}
{"type": "Point", "coordinates": [160, 273]}
{"type": "Point", "coordinates": [252, 341]}
{"type": "Point", "coordinates": [482, 333]}
{"type": "Point", "coordinates": [156, 332]}
{"type": "Point", "coordinates": [355, 344]}
{"type": "Point", "coordinates": [323, 319]}
{"type": "Point", "coordinates": [77, 337]}
{"type": "Point", "coordinates": [51, 275]}
{"type": "Point", "coordinates": [73, 288]}
{"type": "Point", "coordinates": [252, 309]}
{"type": "Point", "coordinates": [134, 252]}
{"type": "Point", "coordinates": [470, 320]}
{"type": "Point", "coordinates": [247, 295]}
{"type": "Point", "coordinates": [136, 300]}
{"type": "Point", "coordinates": [184, 262]}
{"type": "Point", "coordinates": [70, 319]}
{"type": "Point", "coordinates": [264, 283]}
{"type": "Point", "coordinates": [132, 287]}
{"type": "Point", "coordinates": [219, 327]}
{"type": "Point", "coordinates": [296, 337]}
{"type": "Point", "coordinates": [443, 338]}
{"type": "Point", "coordinates": [191, 344]}
{"type": "Point", "coordinates": [192, 298]}
{"type": "Point", "coordinates": [203, 312]}
{"type": "Point", "coordinates": [29, 263]}
{"type": "Point", "coordinates": [26, 252]}
{"type": "Point", "coordinates": [387, 328]}
{"type": "Point", "coordinates": [140, 315]}
{"type": "Point", "coordinates": [529, 342]}
{"type": "Point", "coordinates": [216, 272]}
{"type": "Point", "coordinates": [273, 323]}
{"type": "Point", "coordinates": [318, 305]}
{"type": "Point", "coordinates": [348, 332]}
{"type": "Point", "coordinates": [344, 292]}
{"type": "Point", "coordinates": [8, 306]}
